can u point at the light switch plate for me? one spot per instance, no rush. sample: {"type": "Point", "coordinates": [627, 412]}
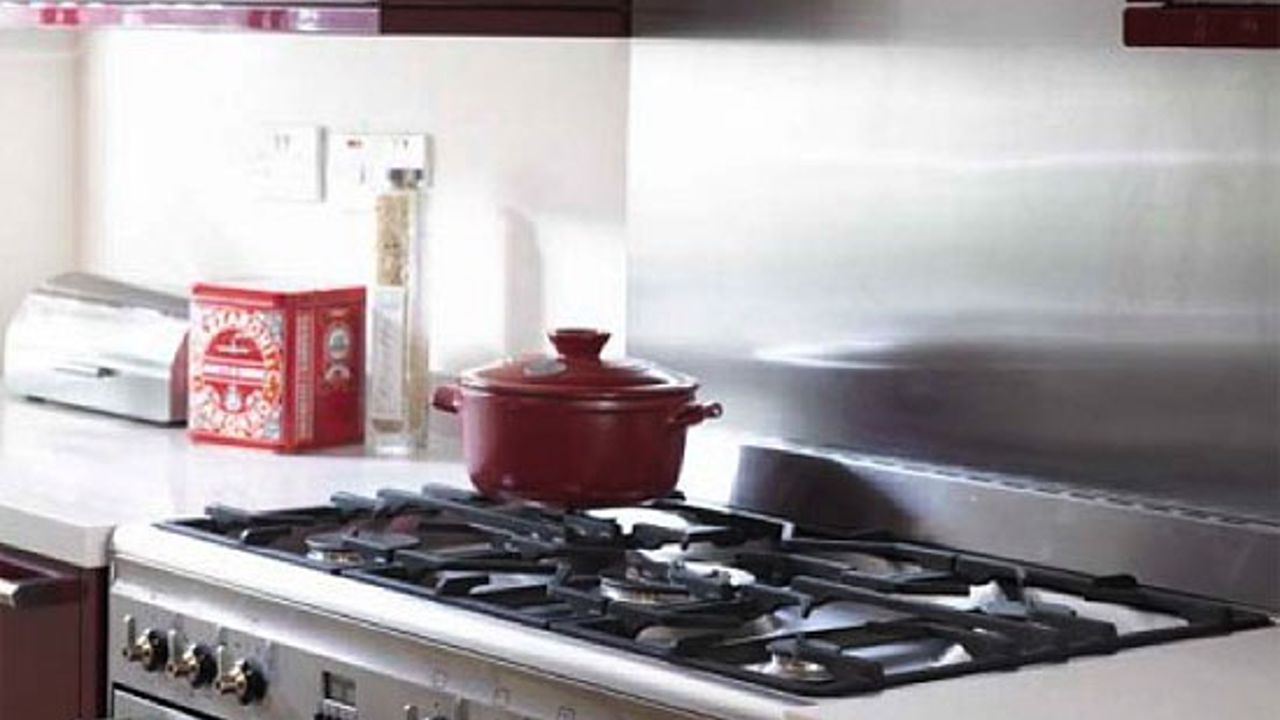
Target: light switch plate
{"type": "Point", "coordinates": [288, 163]}
{"type": "Point", "coordinates": [359, 162]}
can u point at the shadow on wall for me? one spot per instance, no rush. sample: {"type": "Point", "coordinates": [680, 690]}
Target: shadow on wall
{"type": "Point", "coordinates": [525, 311]}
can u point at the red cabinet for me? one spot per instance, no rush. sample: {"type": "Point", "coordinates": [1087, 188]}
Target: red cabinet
{"type": "Point", "coordinates": [1202, 24]}
{"type": "Point", "coordinates": [609, 18]}
{"type": "Point", "coordinates": [52, 639]}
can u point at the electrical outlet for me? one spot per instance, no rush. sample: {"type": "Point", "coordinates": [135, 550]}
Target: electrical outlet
{"type": "Point", "coordinates": [359, 162]}
{"type": "Point", "coordinates": [287, 163]}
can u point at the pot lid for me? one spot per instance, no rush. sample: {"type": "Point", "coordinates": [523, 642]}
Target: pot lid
{"type": "Point", "coordinates": [577, 370]}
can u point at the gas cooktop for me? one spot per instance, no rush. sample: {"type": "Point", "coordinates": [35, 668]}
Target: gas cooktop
{"type": "Point", "coordinates": [751, 598]}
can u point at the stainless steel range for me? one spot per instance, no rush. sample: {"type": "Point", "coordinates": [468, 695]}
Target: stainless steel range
{"type": "Point", "coordinates": [441, 604]}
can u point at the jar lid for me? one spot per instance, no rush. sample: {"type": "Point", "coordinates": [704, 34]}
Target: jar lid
{"type": "Point", "coordinates": [577, 371]}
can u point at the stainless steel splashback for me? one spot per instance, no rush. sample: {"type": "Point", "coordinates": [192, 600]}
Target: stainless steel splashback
{"type": "Point", "coordinates": [1056, 524]}
{"type": "Point", "coordinates": [977, 233]}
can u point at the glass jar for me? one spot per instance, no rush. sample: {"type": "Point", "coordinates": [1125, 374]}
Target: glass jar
{"type": "Point", "coordinates": [399, 373]}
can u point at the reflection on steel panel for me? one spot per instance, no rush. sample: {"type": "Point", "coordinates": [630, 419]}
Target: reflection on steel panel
{"type": "Point", "coordinates": [986, 236]}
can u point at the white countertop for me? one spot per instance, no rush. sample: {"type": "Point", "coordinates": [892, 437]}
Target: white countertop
{"type": "Point", "coordinates": [1236, 677]}
{"type": "Point", "coordinates": [68, 478]}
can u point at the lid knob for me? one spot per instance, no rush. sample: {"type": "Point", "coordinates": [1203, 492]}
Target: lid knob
{"type": "Point", "coordinates": [579, 343]}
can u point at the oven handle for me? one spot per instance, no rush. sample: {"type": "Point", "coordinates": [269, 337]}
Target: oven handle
{"type": "Point", "coordinates": [37, 592]}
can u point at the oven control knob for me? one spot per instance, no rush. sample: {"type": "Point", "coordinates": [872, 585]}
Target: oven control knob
{"type": "Point", "coordinates": [151, 650]}
{"type": "Point", "coordinates": [196, 665]}
{"type": "Point", "coordinates": [244, 680]}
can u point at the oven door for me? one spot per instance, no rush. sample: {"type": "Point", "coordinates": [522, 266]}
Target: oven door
{"type": "Point", "coordinates": [127, 706]}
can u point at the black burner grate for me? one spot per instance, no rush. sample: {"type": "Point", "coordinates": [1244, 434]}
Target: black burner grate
{"type": "Point", "coordinates": [745, 597]}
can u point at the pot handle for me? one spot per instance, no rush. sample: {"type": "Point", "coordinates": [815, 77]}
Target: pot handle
{"type": "Point", "coordinates": [448, 398]}
{"type": "Point", "coordinates": [693, 413]}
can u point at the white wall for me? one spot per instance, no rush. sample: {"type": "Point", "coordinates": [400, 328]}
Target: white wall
{"type": "Point", "coordinates": [530, 177]}
{"type": "Point", "coordinates": [37, 160]}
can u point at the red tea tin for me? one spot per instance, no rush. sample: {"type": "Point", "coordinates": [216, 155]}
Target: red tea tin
{"type": "Point", "coordinates": [276, 366]}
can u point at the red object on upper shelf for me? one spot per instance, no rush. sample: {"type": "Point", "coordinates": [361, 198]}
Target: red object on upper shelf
{"type": "Point", "coordinates": [1203, 24]}
{"type": "Point", "coordinates": [583, 18]}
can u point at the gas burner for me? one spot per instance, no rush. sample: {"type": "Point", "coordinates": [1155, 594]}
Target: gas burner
{"type": "Point", "coordinates": [332, 548]}
{"type": "Point", "coordinates": [356, 547]}
{"type": "Point", "coordinates": [712, 573]}
{"type": "Point", "coordinates": [754, 629]}
{"type": "Point", "coordinates": [789, 667]}
{"type": "Point", "coordinates": [631, 588]}
{"type": "Point", "coordinates": [659, 578]}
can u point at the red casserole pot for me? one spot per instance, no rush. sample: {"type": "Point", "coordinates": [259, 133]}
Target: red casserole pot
{"type": "Point", "coordinates": [574, 430]}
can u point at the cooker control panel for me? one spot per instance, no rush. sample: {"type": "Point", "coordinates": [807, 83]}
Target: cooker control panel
{"type": "Point", "coordinates": [212, 664]}
{"type": "Point", "coordinates": [221, 671]}
{"type": "Point", "coordinates": [249, 658]}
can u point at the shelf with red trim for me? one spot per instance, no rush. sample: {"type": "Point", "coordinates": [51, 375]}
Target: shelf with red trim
{"type": "Point", "coordinates": [582, 18]}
